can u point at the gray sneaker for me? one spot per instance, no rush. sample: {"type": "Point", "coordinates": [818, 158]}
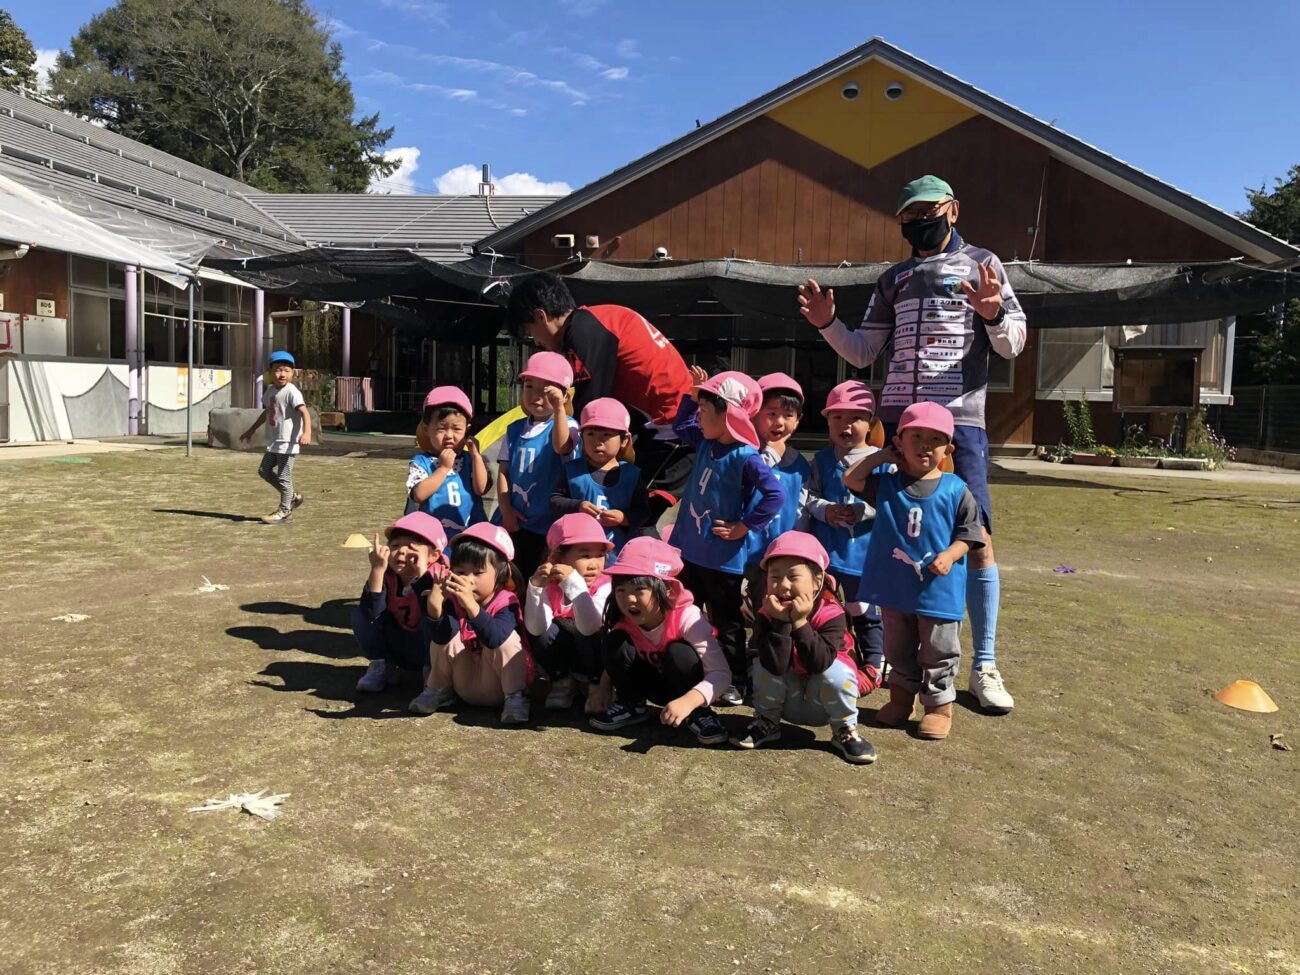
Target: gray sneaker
{"type": "Point", "coordinates": [561, 694]}
{"type": "Point", "coordinates": [277, 518]}
{"type": "Point", "coordinates": [432, 699]}
{"type": "Point", "coordinates": [760, 732]}
{"type": "Point", "coordinates": [515, 710]}
{"type": "Point", "coordinates": [298, 499]}
{"type": "Point", "coordinates": [377, 677]}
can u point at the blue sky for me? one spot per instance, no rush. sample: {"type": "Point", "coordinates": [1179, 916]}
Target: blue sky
{"type": "Point", "coordinates": [563, 91]}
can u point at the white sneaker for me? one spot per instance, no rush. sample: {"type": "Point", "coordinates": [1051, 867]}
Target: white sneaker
{"type": "Point", "coordinates": [560, 697]}
{"type": "Point", "coordinates": [986, 684]}
{"type": "Point", "coordinates": [377, 677]}
{"type": "Point", "coordinates": [432, 699]}
{"type": "Point", "coordinates": [515, 710]}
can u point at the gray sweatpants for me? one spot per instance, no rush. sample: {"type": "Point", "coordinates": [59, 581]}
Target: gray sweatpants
{"type": "Point", "coordinates": [923, 655]}
{"type": "Point", "coordinates": [277, 471]}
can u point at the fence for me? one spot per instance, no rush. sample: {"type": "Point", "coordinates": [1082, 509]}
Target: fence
{"type": "Point", "coordinates": [1260, 417]}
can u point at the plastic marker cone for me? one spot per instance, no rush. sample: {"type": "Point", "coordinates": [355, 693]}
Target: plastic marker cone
{"type": "Point", "coordinates": [357, 540]}
{"type": "Point", "coordinates": [1246, 695]}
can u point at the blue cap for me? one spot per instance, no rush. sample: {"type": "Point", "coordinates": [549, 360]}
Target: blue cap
{"type": "Point", "coordinates": [282, 357]}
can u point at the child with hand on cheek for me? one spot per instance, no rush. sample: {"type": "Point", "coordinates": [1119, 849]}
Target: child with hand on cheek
{"type": "Point", "coordinates": [449, 481]}
{"type": "Point", "coordinates": [478, 653]}
{"type": "Point", "coordinates": [659, 647]}
{"type": "Point", "coordinates": [564, 611]}
{"type": "Point", "coordinates": [926, 522]}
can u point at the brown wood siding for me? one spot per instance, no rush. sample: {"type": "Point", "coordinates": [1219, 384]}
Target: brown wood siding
{"type": "Point", "coordinates": [41, 274]}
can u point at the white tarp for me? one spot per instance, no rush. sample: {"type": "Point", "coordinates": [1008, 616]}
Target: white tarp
{"type": "Point", "coordinates": [26, 217]}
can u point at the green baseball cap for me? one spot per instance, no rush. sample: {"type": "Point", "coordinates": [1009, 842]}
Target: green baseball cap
{"type": "Point", "coordinates": [927, 189]}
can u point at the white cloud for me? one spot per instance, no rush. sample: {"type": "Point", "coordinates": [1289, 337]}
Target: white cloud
{"type": "Point", "coordinates": [422, 87]}
{"type": "Point", "coordinates": [614, 74]}
{"type": "Point", "coordinates": [627, 48]}
{"type": "Point", "coordinates": [461, 180]}
{"type": "Point", "coordinates": [401, 181]}
{"type": "Point", "coordinates": [589, 63]}
{"type": "Point", "coordinates": [45, 58]}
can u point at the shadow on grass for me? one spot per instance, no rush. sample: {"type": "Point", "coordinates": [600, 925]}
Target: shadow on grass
{"type": "Point", "coordinates": [220, 515]}
{"type": "Point", "coordinates": [332, 612]}
{"type": "Point", "coordinates": [323, 643]}
{"type": "Point", "coordinates": [332, 682]}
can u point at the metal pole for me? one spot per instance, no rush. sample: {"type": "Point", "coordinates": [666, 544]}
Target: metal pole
{"type": "Point", "coordinates": [346, 364]}
{"type": "Point", "coordinates": [259, 354]}
{"type": "Point", "coordinates": [132, 352]}
{"type": "Point", "coordinates": [189, 376]}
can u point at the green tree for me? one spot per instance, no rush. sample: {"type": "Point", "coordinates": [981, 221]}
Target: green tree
{"type": "Point", "coordinates": [17, 56]}
{"type": "Point", "coordinates": [1268, 346]}
{"type": "Point", "coordinates": [253, 89]}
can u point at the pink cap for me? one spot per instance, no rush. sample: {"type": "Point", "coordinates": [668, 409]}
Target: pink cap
{"type": "Point", "coordinates": [449, 396]}
{"type": "Point", "coordinates": [775, 382]}
{"type": "Point", "coordinates": [930, 416]}
{"type": "Point", "coordinates": [743, 399]}
{"type": "Point", "coordinates": [491, 535]}
{"type": "Point", "coordinates": [421, 525]}
{"type": "Point", "coordinates": [549, 367]}
{"type": "Point", "coordinates": [578, 528]}
{"type": "Point", "coordinates": [799, 545]}
{"type": "Point", "coordinates": [851, 395]}
{"type": "Point", "coordinates": [647, 556]}
{"type": "Point", "coordinates": [607, 414]}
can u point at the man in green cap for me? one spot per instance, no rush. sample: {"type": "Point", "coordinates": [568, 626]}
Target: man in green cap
{"type": "Point", "coordinates": [943, 309]}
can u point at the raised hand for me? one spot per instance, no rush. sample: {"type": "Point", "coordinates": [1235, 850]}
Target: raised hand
{"type": "Point", "coordinates": [555, 399]}
{"type": "Point", "coordinates": [378, 554]}
{"type": "Point", "coordinates": [816, 305]}
{"type": "Point", "coordinates": [699, 375]}
{"type": "Point", "coordinates": [801, 608]}
{"type": "Point", "coordinates": [986, 299]}
{"type": "Point", "coordinates": [541, 576]}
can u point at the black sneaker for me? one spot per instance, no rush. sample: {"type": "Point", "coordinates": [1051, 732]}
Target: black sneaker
{"type": "Point", "coordinates": [853, 746]}
{"type": "Point", "coordinates": [298, 499]}
{"type": "Point", "coordinates": [618, 715]}
{"type": "Point", "coordinates": [733, 696]}
{"type": "Point", "coordinates": [759, 732]}
{"type": "Point", "coordinates": [706, 727]}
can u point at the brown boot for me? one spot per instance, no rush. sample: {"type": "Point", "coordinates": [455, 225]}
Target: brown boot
{"type": "Point", "coordinates": [936, 723]}
{"type": "Point", "coordinates": [898, 711]}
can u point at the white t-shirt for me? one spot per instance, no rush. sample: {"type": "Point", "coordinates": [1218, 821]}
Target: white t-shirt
{"type": "Point", "coordinates": [284, 423]}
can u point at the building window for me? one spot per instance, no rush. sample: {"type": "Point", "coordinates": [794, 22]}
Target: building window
{"type": "Point", "coordinates": [88, 325]}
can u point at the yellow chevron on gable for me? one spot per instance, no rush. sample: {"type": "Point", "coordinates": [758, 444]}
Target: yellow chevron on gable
{"type": "Point", "coordinates": [872, 127]}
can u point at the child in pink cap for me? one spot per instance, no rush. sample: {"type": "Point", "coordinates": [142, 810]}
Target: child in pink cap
{"type": "Point", "coordinates": [478, 653]}
{"type": "Point", "coordinates": [841, 522]}
{"type": "Point", "coordinates": [533, 452]}
{"type": "Point", "coordinates": [602, 483]}
{"type": "Point", "coordinates": [389, 623]}
{"type": "Point", "coordinates": [804, 669]}
{"type": "Point", "coordinates": [564, 609]}
{"type": "Point", "coordinates": [659, 648]}
{"type": "Point", "coordinates": [450, 483]}
{"type": "Point", "coordinates": [926, 522]}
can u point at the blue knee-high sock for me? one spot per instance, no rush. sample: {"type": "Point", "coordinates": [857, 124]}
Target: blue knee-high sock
{"type": "Point", "coordinates": [983, 592]}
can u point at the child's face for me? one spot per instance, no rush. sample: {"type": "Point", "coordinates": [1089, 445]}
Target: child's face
{"type": "Point", "coordinates": [449, 431]}
{"type": "Point", "coordinates": [638, 604]}
{"type": "Point", "coordinates": [588, 560]}
{"type": "Point", "coordinates": [600, 446]}
{"type": "Point", "coordinates": [409, 556]}
{"type": "Point", "coordinates": [776, 423]}
{"type": "Point", "coordinates": [848, 429]}
{"type": "Point", "coordinates": [532, 398]}
{"type": "Point", "coordinates": [713, 421]}
{"type": "Point", "coordinates": [281, 373]}
{"type": "Point", "coordinates": [789, 577]}
{"type": "Point", "coordinates": [921, 450]}
{"type": "Point", "coordinates": [483, 581]}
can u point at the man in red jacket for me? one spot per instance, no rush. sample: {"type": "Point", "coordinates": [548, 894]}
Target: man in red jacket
{"type": "Point", "coordinates": [614, 352]}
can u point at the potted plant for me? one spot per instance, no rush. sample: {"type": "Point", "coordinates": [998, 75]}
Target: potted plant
{"type": "Point", "coordinates": [1083, 442]}
{"type": "Point", "coordinates": [1138, 450]}
{"type": "Point", "coordinates": [1204, 444]}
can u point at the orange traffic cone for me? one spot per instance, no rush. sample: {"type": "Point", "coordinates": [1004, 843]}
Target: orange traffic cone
{"type": "Point", "coordinates": [356, 540]}
{"type": "Point", "coordinates": [1246, 695]}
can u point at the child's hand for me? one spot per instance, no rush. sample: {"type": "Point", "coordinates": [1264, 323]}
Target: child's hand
{"type": "Point", "coordinates": [379, 554]}
{"type": "Point", "coordinates": [246, 436]}
{"type": "Point", "coordinates": [471, 445]}
{"type": "Point", "coordinates": [801, 609]}
{"type": "Point", "coordinates": [421, 563]}
{"type": "Point", "coordinates": [437, 599]}
{"type": "Point", "coordinates": [775, 608]}
{"type": "Point", "coordinates": [542, 576]}
{"type": "Point", "coordinates": [698, 377]}
{"type": "Point", "coordinates": [555, 398]}
{"type": "Point", "coordinates": [509, 517]}
{"type": "Point", "coordinates": [841, 516]}
{"type": "Point", "coordinates": [560, 572]}
{"type": "Point", "coordinates": [941, 565]}
{"type": "Point", "coordinates": [447, 458]}
{"type": "Point", "coordinates": [587, 508]}
{"type": "Point", "coordinates": [461, 589]}
{"type": "Point", "coordinates": [304, 440]}
{"type": "Point", "coordinates": [883, 456]}
{"type": "Point", "coordinates": [677, 710]}
{"type": "Point", "coordinates": [730, 531]}
{"type": "Point", "coordinates": [610, 517]}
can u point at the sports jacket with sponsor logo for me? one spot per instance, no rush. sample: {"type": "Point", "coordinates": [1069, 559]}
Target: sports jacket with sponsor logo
{"type": "Point", "coordinates": [940, 349]}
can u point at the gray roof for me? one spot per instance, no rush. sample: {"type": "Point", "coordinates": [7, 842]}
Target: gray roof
{"type": "Point", "coordinates": [442, 227]}
{"type": "Point", "coordinates": [1220, 224]}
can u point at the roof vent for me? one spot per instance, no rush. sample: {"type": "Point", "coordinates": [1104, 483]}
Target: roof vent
{"type": "Point", "coordinates": [485, 187]}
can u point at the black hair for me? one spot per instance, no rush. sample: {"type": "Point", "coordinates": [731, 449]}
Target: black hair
{"type": "Point", "coordinates": [479, 556]}
{"type": "Point", "coordinates": [400, 533]}
{"type": "Point", "coordinates": [440, 411]}
{"type": "Point", "coordinates": [658, 589]}
{"type": "Point", "coordinates": [713, 399]}
{"type": "Point", "coordinates": [787, 399]}
{"type": "Point", "coordinates": [541, 290]}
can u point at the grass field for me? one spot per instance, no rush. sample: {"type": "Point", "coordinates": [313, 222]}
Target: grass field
{"type": "Point", "coordinates": [1118, 821]}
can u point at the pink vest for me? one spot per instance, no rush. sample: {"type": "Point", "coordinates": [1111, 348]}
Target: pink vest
{"type": "Point", "coordinates": [646, 648]}
{"type": "Point", "coordinates": [407, 609]}
{"type": "Point", "coordinates": [556, 598]}
{"type": "Point", "coordinates": [502, 599]}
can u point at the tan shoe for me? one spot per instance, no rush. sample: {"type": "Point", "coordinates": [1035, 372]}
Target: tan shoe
{"type": "Point", "coordinates": [898, 711]}
{"type": "Point", "coordinates": [936, 723]}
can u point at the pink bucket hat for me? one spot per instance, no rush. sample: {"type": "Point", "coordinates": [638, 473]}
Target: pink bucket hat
{"type": "Point", "coordinates": [576, 529]}
{"type": "Point", "coordinates": [775, 382]}
{"type": "Point", "coordinates": [931, 416]}
{"type": "Point", "coordinates": [851, 395]}
{"type": "Point", "coordinates": [743, 399]}
{"type": "Point", "coordinates": [800, 545]}
{"type": "Point", "coordinates": [549, 367]}
{"type": "Point", "coordinates": [491, 535]}
{"type": "Point", "coordinates": [421, 525]}
{"type": "Point", "coordinates": [449, 396]}
{"type": "Point", "coordinates": [606, 413]}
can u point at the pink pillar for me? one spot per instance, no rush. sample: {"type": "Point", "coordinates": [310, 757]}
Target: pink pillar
{"type": "Point", "coordinates": [132, 317]}
{"type": "Point", "coordinates": [346, 364]}
{"type": "Point", "coordinates": [259, 353]}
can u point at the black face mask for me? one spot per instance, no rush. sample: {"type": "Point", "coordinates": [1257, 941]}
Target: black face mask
{"type": "Point", "coordinates": [927, 235]}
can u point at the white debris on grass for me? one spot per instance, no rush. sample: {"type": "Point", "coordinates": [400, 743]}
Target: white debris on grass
{"type": "Point", "coordinates": [210, 586]}
{"type": "Point", "coordinates": [69, 618]}
{"type": "Point", "coordinates": [254, 803]}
